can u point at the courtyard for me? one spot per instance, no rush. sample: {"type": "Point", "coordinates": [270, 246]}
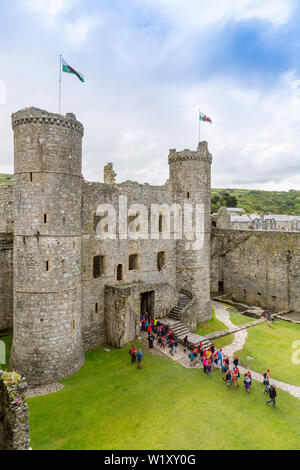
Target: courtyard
{"type": "Point", "coordinates": [110, 404]}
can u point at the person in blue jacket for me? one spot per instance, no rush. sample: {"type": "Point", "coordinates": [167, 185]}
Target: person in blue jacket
{"type": "Point", "coordinates": [139, 356]}
{"type": "Point", "coordinates": [220, 357]}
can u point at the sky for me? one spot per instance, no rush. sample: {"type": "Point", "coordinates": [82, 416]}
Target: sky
{"type": "Point", "coordinates": [149, 66]}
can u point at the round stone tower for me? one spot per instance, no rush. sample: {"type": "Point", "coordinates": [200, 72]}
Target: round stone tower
{"type": "Point", "coordinates": [47, 342]}
{"type": "Point", "coordinates": [190, 183]}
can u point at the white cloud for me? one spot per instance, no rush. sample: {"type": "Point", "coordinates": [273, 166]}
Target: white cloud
{"type": "Point", "coordinates": [76, 33]}
{"type": "Point", "coordinates": [49, 10]}
{"type": "Point", "coordinates": [132, 117]}
{"type": "Point", "coordinates": [2, 92]}
{"type": "Point", "coordinates": [201, 13]}
{"type": "Point", "coordinates": [54, 14]}
{"type": "Point", "coordinates": [255, 137]}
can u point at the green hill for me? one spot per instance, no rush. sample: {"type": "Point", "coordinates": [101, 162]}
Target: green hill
{"type": "Point", "coordinates": [6, 179]}
{"type": "Point", "coordinates": [252, 200]}
{"type": "Point", "coordinates": [257, 201]}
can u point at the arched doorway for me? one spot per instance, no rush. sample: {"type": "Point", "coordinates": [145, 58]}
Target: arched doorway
{"type": "Point", "coordinates": [120, 272]}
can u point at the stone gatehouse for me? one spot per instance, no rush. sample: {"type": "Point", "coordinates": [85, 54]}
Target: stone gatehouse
{"type": "Point", "coordinates": [65, 288]}
{"type": "Point", "coordinates": [72, 290]}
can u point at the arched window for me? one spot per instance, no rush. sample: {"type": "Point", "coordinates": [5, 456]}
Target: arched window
{"type": "Point", "coordinates": [120, 272]}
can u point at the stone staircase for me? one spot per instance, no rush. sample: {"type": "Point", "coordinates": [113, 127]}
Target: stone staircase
{"type": "Point", "coordinates": [184, 300]}
{"type": "Point", "coordinates": [180, 329]}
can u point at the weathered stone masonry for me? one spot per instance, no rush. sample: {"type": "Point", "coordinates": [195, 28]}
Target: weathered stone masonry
{"type": "Point", "coordinates": [6, 256]}
{"type": "Point", "coordinates": [47, 342]}
{"type": "Point", "coordinates": [14, 420]}
{"type": "Point", "coordinates": [73, 290]}
{"type": "Point", "coordinates": [260, 268]}
{"type": "Point", "coordinates": [6, 281]}
{"type": "Point", "coordinates": [67, 290]}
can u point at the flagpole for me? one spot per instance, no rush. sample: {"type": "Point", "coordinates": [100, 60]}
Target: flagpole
{"type": "Point", "coordinates": [199, 125]}
{"type": "Point", "coordinates": [59, 106]}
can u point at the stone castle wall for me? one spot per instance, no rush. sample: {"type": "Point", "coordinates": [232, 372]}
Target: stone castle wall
{"type": "Point", "coordinates": [14, 418]}
{"type": "Point", "coordinates": [116, 252]}
{"type": "Point", "coordinates": [122, 309]}
{"type": "Point", "coordinates": [260, 268]}
{"type": "Point", "coordinates": [6, 208]}
{"type": "Point", "coordinates": [6, 281]}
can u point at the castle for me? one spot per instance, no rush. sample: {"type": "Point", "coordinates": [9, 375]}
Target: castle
{"type": "Point", "coordinates": [68, 284]}
{"type": "Point", "coordinates": [73, 291]}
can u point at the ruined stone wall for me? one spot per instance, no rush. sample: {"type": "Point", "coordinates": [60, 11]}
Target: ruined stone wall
{"type": "Point", "coordinates": [260, 268]}
{"type": "Point", "coordinates": [14, 419]}
{"type": "Point", "coordinates": [6, 281]}
{"type": "Point", "coordinates": [117, 252]}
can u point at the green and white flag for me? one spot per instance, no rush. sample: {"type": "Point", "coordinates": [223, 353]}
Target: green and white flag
{"type": "Point", "coordinates": [203, 117]}
{"type": "Point", "coordinates": [68, 69]}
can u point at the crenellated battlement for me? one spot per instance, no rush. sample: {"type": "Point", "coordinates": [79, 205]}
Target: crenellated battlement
{"type": "Point", "coordinates": [201, 154]}
{"type": "Point", "coordinates": [36, 115]}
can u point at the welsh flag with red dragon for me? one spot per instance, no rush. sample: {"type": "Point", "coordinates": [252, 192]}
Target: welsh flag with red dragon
{"type": "Point", "coordinates": [203, 117]}
{"type": "Point", "coordinates": [68, 69]}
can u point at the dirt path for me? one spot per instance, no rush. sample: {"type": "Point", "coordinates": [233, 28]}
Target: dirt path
{"type": "Point", "coordinates": [239, 337]}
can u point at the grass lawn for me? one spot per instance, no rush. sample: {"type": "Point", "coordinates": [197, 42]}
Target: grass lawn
{"type": "Point", "coordinates": [110, 404]}
{"type": "Point", "coordinates": [215, 325]}
{"type": "Point", "coordinates": [210, 326]}
{"type": "Point", "coordinates": [272, 349]}
{"type": "Point", "coordinates": [238, 319]}
{"type": "Point", "coordinates": [224, 341]}
{"type": "Point", "coordinates": [8, 341]}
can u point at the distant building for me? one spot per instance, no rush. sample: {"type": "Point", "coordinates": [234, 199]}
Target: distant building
{"type": "Point", "coordinates": [236, 210]}
{"type": "Point", "coordinates": [231, 218]}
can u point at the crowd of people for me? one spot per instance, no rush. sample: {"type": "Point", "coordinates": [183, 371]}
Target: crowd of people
{"type": "Point", "coordinates": [209, 358]}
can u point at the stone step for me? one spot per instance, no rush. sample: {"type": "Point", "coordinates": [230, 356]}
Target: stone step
{"type": "Point", "coordinates": [181, 336]}
{"type": "Point", "coordinates": [182, 332]}
{"type": "Point", "coordinates": [180, 327]}
{"type": "Point", "coordinates": [174, 324]}
{"type": "Point", "coordinates": [173, 316]}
